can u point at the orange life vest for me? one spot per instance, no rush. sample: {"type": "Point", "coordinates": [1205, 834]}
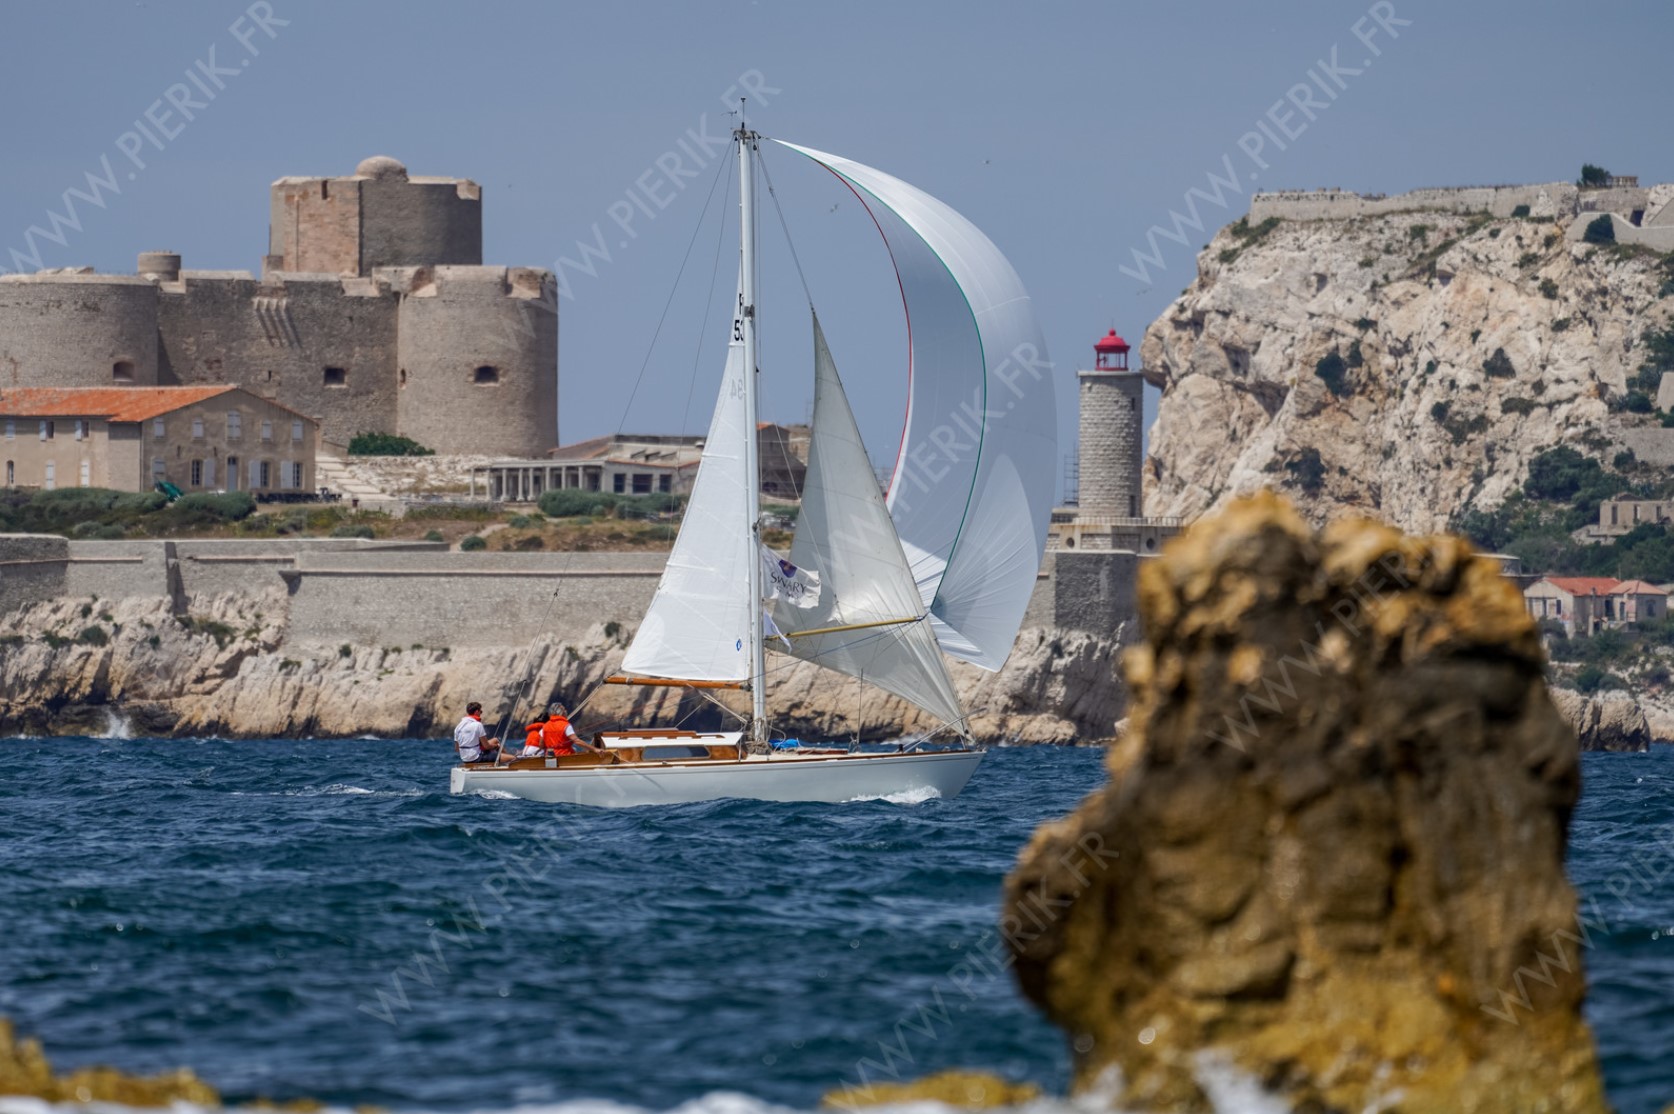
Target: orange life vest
{"type": "Point", "coordinates": [533, 738]}
{"type": "Point", "coordinates": [557, 733]}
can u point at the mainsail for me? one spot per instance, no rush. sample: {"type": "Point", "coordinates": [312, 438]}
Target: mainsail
{"type": "Point", "coordinates": [972, 490]}
{"type": "Point", "coordinates": [698, 626]}
{"type": "Point", "coordinates": [844, 533]}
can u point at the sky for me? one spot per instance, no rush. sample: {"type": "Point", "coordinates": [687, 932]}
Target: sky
{"type": "Point", "coordinates": [1095, 143]}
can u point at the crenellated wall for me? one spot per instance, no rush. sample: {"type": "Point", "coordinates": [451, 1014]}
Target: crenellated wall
{"type": "Point", "coordinates": [1551, 199]}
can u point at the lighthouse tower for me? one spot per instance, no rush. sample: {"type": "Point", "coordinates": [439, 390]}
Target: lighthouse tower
{"type": "Point", "coordinates": [1112, 430]}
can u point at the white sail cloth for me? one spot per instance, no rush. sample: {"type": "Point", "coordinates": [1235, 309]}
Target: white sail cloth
{"type": "Point", "coordinates": [845, 534]}
{"type": "Point", "coordinates": [972, 490]}
{"type": "Point", "coordinates": [698, 626]}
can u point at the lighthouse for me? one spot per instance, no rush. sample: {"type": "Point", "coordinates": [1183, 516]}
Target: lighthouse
{"type": "Point", "coordinates": [1112, 405]}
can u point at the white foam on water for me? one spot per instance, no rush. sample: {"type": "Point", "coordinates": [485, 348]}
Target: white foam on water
{"type": "Point", "coordinates": [493, 794]}
{"type": "Point", "coordinates": [902, 797]}
{"type": "Point", "coordinates": [117, 725]}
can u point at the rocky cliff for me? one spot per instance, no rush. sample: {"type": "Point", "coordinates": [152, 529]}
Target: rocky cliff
{"type": "Point", "coordinates": [74, 666]}
{"type": "Point", "coordinates": [1331, 851]}
{"type": "Point", "coordinates": [1405, 366]}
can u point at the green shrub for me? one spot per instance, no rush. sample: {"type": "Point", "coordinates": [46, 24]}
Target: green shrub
{"type": "Point", "coordinates": [533, 541]}
{"type": "Point", "coordinates": [94, 636]}
{"type": "Point", "coordinates": [386, 444]}
{"type": "Point", "coordinates": [478, 512]}
{"type": "Point", "coordinates": [1591, 678]}
{"type": "Point", "coordinates": [1548, 289]}
{"type": "Point", "coordinates": [433, 536]}
{"type": "Point", "coordinates": [345, 651]}
{"type": "Point", "coordinates": [1593, 177]}
{"type": "Point", "coordinates": [473, 543]}
{"type": "Point", "coordinates": [1498, 366]}
{"type": "Point", "coordinates": [1520, 211]}
{"type": "Point", "coordinates": [358, 531]}
{"type": "Point", "coordinates": [1624, 460]}
{"type": "Point", "coordinates": [520, 522]}
{"type": "Point", "coordinates": [1439, 411]}
{"type": "Point", "coordinates": [1355, 359]}
{"type": "Point", "coordinates": [1638, 402]}
{"type": "Point", "coordinates": [1365, 324]}
{"type": "Point", "coordinates": [1419, 232]}
{"type": "Point", "coordinates": [1517, 406]}
{"type": "Point", "coordinates": [1600, 230]}
{"type": "Point", "coordinates": [229, 506]}
{"type": "Point", "coordinates": [1333, 372]}
{"type": "Point", "coordinates": [571, 503]}
{"type": "Point", "coordinates": [1528, 259]}
{"type": "Point", "coordinates": [1560, 324]}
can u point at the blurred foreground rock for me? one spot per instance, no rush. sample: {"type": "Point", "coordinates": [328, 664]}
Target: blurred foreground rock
{"type": "Point", "coordinates": [24, 1071]}
{"type": "Point", "coordinates": [970, 1090]}
{"type": "Point", "coordinates": [1331, 851]}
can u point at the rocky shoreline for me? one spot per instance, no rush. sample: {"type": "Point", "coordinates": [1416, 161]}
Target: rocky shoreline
{"type": "Point", "coordinates": [226, 669]}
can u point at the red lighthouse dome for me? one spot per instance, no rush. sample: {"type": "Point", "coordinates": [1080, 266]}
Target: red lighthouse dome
{"type": "Point", "coordinates": [1110, 353]}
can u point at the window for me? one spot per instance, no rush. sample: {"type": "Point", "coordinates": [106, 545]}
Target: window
{"type": "Point", "coordinates": [11, 474]}
{"type": "Point", "coordinates": [51, 475]}
{"type": "Point", "coordinates": [336, 377]}
{"type": "Point", "coordinates": [257, 473]}
{"type": "Point", "coordinates": [209, 472]}
{"type": "Point", "coordinates": [642, 483]}
{"type": "Point", "coordinates": [403, 378]}
{"type": "Point", "coordinates": [158, 429]}
{"type": "Point", "coordinates": [264, 474]}
{"type": "Point", "coordinates": [284, 475]}
{"type": "Point", "coordinates": [232, 473]}
{"type": "Point", "coordinates": [197, 473]}
{"type": "Point", "coordinates": [619, 483]}
{"type": "Point", "coordinates": [663, 482]}
{"type": "Point", "coordinates": [235, 423]}
{"type": "Point", "coordinates": [197, 429]}
{"type": "Point", "coordinates": [47, 430]}
{"type": "Point", "coordinates": [485, 375]}
{"type": "Point", "coordinates": [87, 473]}
{"type": "Point", "coordinates": [11, 430]}
{"type": "Point", "coordinates": [159, 469]}
{"type": "Point", "coordinates": [296, 474]}
{"type": "Point", "coordinates": [81, 429]}
{"type": "Point", "coordinates": [122, 371]}
{"type": "Point", "coordinates": [296, 430]}
{"type": "Point", "coordinates": [267, 431]}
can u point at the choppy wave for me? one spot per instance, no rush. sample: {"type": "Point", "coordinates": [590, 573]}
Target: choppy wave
{"type": "Point", "coordinates": [902, 796]}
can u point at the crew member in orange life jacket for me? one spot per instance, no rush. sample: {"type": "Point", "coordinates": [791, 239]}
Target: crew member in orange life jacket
{"type": "Point", "coordinates": [557, 734]}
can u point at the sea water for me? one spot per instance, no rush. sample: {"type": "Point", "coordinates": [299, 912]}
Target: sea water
{"type": "Point", "coordinates": [322, 919]}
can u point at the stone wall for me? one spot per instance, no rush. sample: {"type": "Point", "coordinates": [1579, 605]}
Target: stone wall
{"type": "Point", "coordinates": [453, 600]}
{"type": "Point", "coordinates": [123, 570]}
{"type": "Point", "coordinates": [1094, 591]}
{"type": "Point", "coordinates": [277, 338]}
{"type": "Point", "coordinates": [1550, 199]}
{"type": "Point", "coordinates": [1657, 237]}
{"type": "Point", "coordinates": [33, 568]}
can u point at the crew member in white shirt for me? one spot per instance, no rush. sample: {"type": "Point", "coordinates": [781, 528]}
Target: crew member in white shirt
{"type": "Point", "coordinates": [471, 738]}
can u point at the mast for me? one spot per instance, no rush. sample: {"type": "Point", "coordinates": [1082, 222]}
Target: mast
{"type": "Point", "coordinates": [745, 323]}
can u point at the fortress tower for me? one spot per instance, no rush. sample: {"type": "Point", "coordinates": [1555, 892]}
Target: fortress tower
{"type": "Point", "coordinates": [1112, 432]}
{"type": "Point", "coordinates": [373, 314]}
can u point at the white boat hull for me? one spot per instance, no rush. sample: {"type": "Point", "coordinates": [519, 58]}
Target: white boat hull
{"type": "Point", "coordinates": [829, 779]}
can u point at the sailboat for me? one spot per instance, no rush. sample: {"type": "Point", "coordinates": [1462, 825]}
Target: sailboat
{"type": "Point", "coordinates": [875, 587]}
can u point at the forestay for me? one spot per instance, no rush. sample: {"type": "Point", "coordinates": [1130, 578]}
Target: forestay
{"type": "Point", "coordinates": [698, 626]}
{"type": "Point", "coordinates": [972, 489]}
{"type": "Point", "coordinates": [844, 532]}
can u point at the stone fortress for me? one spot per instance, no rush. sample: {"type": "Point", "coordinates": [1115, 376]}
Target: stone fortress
{"type": "Point", "coordinates": [1639, 214]}
{"type": "Point", "coordinates": [373, 313]}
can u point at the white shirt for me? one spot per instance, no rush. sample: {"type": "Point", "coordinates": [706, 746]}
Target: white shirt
{"type": "Point", "coordinates": [468, 737]}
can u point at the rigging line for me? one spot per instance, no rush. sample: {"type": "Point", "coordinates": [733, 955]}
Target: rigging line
{"type": "Point", "coordinates": [652, 347]}
{"type": "Point", "coordinates": [783, 224]}
{"type": "Point", "coordinates": [534, 675]}
{"type": "Point", "coordinates": [708, 308]}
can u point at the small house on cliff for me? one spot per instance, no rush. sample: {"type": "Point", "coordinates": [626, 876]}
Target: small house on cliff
{"type": "Point", "coordinates": [207, 438]}
{"type": "Point", "coordinates": [1585, 605]}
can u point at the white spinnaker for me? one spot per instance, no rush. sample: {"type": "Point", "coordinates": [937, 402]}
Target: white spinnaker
{"type": "Point", "coordinates": [844, 533]}
{"type": "Point", "coordinates": [698, 626]}
{"type": "Point", "coordinates": [972, 489]}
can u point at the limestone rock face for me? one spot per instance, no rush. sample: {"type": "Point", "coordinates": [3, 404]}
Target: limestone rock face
{"type": "Point", "coordinates": [1468, 347]}
{"type": "Point", "coordinates": [1331, 849]}
{"type": "Point", "coordinates": [227, 670]}
{"type": "Point", "coordinates": [1606, 720]}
